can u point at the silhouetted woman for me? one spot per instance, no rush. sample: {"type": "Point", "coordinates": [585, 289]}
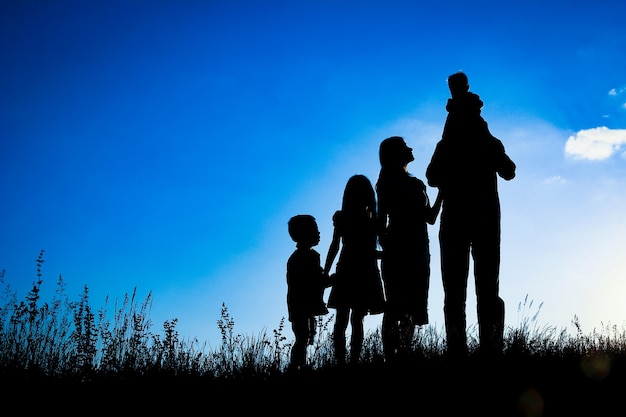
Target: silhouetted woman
{"type": "Point", "coordinates": [403, 212]}
{"type": "Point", "coordinates": [357, 289]}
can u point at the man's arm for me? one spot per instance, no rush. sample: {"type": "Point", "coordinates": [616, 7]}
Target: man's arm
{"type": "Point", "coordinates": [505, 167]}
{"type": "Point", "coordinates": [435, 169]}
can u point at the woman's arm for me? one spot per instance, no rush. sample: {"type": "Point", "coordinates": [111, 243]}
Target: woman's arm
{"type": "Point", "coordinates": [433, 212]}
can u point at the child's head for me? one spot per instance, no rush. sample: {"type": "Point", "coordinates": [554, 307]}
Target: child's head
{"type": "Point", "coordinates": [458, 83]}
{"type": "Point", "coordinates": [359, 194]}
{"type": "Point", "coordinates": [303, 230]}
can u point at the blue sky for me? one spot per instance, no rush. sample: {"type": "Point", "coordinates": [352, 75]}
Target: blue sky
{"type": "Point", "coordinates": [163, 146]}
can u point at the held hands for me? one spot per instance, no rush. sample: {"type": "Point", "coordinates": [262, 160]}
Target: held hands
{"type": "Point", "coordinates": [329, 280]}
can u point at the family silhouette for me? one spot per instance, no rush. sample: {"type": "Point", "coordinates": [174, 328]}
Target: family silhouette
{"type": "Point", "coordinates": [394, 215]}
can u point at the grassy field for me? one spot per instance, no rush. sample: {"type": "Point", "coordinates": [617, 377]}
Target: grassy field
{"type": "Point", "coordinates": [65, 355]}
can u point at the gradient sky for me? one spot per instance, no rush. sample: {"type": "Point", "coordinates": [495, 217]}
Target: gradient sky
{"type": "Point", "coordinates": [163, 145]}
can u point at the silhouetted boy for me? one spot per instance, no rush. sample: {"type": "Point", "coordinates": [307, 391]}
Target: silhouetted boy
{"type": "Point", "coordinates": [464, 109]}
{"type": "Point", "coordinates": [305, 286]}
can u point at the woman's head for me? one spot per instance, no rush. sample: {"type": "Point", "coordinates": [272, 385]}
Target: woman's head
{"type": "Point", "coordinates": [359, 194]}
{"type": "Point", "coordinates": [394, 152]}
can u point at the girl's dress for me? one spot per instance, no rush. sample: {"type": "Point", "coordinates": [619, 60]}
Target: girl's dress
{"type": "Point", "coordinates": [358, 284]}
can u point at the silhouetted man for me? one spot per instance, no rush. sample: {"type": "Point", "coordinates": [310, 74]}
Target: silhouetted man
{"type": "Point", "coordinates": [464, 167]}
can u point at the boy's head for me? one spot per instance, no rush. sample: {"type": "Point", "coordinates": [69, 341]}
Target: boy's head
{"type": "Point", "coordinates": [458, 83]}
{"type": "Point", "coordinates": [303, 230]}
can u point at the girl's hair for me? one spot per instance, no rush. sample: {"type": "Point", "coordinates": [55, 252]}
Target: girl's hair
{"type": "Point", "coordinates": [359, 195]}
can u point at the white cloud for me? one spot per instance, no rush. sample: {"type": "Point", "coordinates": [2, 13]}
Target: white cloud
{"type": "Point", "coordinates": [595, 144]}
{"type": "Point", "coordinates": [614, 92]}
{"type": "Point", "coordinates": [555, 179]}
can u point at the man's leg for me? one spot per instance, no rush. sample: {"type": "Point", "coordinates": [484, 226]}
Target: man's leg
{"type": "Point", "coordinates": [490, 307]}
{"type": "Point", "coordinates": [454, 273]}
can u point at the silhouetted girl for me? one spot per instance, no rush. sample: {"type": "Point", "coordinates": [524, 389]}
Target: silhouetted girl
{"type": "Point", "coordinates": [357, 289]}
